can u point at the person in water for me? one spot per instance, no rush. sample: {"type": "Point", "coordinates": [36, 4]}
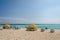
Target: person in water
{"type": "Point", "coordinates": [46, 28]}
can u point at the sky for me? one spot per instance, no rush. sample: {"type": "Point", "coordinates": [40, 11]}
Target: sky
{"type": "Point", "coordinates": [30, 11]}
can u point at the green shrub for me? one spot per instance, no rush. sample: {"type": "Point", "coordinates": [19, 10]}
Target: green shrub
{"type": "Point", "coordinates": [6, 26]}
{"type": "Point", "coordinates": [32, 28]}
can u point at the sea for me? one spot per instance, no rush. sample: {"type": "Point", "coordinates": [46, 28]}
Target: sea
{"type": "Point", "coordinates": [40, 26]}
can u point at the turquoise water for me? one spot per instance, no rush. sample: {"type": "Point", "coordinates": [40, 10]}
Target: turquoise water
{"type": "Point", "coordinates": [50, 26]}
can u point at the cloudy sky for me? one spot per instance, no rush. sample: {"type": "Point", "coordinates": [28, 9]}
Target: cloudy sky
{"type": "Point", "coordinates": [30, 11]}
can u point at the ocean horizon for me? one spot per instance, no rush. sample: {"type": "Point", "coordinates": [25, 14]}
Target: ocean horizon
{"type": "Point", "coordinates": [49, 26]}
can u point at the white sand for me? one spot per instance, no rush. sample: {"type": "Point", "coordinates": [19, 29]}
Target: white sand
{"type": "Point", "coordinates": [22, 34]}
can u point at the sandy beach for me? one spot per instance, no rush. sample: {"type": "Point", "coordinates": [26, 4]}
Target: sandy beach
{"type": "Point", "coordinates": [22, 34]}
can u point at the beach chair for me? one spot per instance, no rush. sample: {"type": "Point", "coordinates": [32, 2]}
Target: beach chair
{"type": "Point", "coordinates": [1, 29]}
{"type": "Point", "coordinates": [42, 30]}
{"type": "Point", "coordinates": [52, 31]}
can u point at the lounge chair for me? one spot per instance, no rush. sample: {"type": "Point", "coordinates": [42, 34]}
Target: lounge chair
{"type": "Point", "coordinates": [52, 31]}
{"type": "Point", "coordinates": [42, 30]}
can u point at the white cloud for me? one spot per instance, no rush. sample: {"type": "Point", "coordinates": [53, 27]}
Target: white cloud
{"type": "Point", "coordinates": [31, 21]}
{"type": "Point", "coordinates": [0, 20]}
{"type": "Point", "coordinates": [50, 21]}
{"type": "Point", "coordinates": [12, 19]}
{"type": "Point", "coordinates": [17, 20]}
